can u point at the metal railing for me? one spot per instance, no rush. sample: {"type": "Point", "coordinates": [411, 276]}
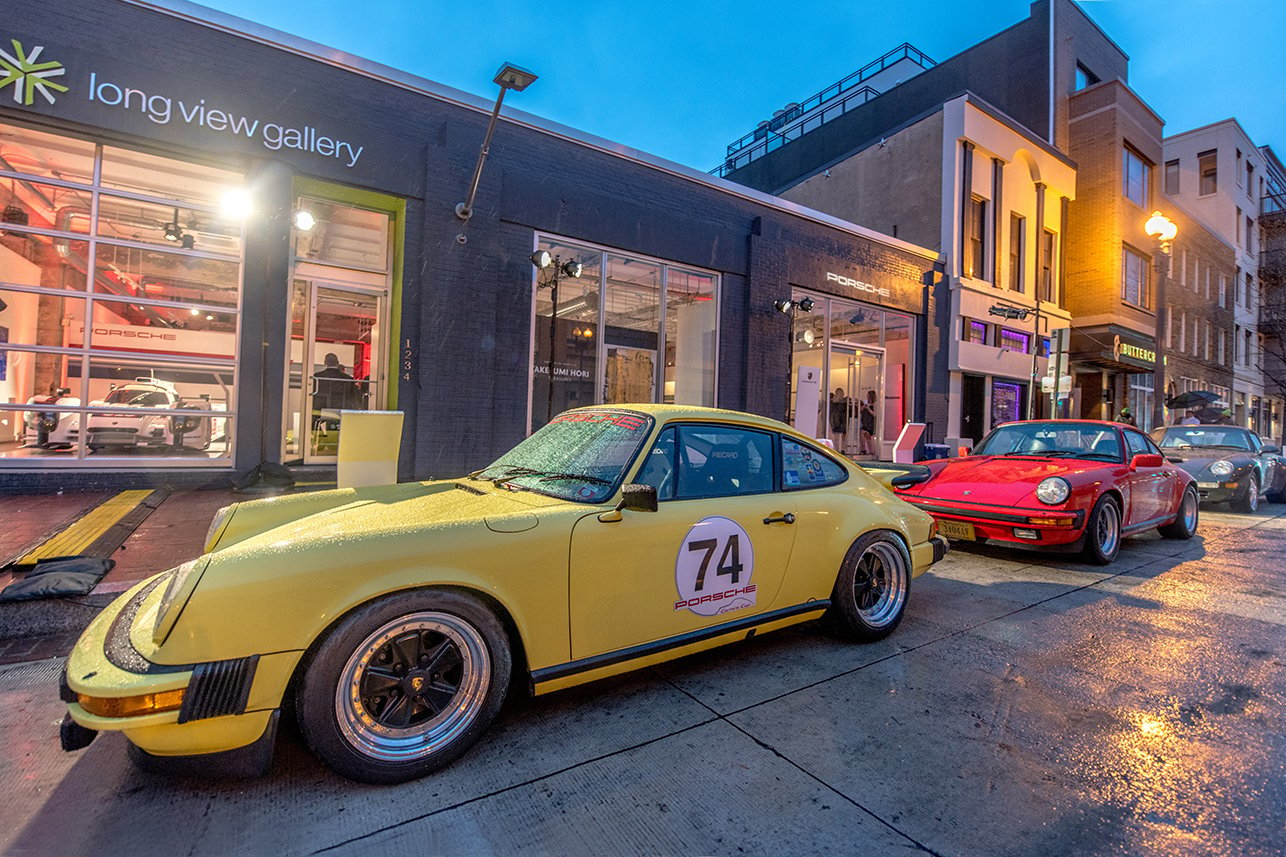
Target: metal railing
{"type": "Point", "coordinates": [776, 139]}
{"type": "Point", "coordinates": [761, 140]}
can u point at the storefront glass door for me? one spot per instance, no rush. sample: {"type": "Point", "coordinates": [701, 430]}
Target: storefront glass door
{"type": "Point", "coordinates": [854, 407]}
{"type": "Point", "coordinates": [336, 364]}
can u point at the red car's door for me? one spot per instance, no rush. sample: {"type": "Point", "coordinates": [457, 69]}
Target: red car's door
{"type": "Point", "coordinates": [1150, 487]}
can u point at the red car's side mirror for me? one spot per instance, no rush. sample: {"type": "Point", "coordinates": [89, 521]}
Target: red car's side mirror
{"type": "Point", "coordinates": [1146, 459]}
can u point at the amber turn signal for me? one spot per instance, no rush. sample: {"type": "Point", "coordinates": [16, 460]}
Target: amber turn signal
{"type": "Point", "coordinates": [132, 706]}
{"type": "Point", "coordinates": [1052, 522]}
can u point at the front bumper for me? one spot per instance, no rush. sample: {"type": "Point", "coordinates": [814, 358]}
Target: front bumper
{"type": "Point", "coordinates": [226, 704]}
{"type": "Point", "coordinates": [1220, 492]}
{"type": "Point", "coordinates": [1046, 527]}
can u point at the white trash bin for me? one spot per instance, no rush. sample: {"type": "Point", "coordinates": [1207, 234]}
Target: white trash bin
{"type": "Point", "coordinates": [368, 448]}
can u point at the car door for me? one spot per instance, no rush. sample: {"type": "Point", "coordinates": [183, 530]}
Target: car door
{"type": "Point", "coordinates": [715, 550]}
{"type": "Point", "coordinates": [1149, 494]}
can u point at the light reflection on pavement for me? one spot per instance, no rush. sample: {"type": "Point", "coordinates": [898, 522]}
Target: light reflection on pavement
{"type": "Point", "coordinates": [1028, 704]}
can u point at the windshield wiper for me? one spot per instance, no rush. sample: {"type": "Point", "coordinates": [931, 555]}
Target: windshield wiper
{"type": "Point", "coordinates": [509, 473]}
{"type": "Point", "coordinates": [574, 476]}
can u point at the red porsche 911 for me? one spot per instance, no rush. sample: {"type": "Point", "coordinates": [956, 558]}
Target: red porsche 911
{"type": "Point", "coordinates": [1069, 485]}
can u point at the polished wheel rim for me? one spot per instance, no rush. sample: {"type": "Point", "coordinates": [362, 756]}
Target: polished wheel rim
{"type": "Point", "coordinates": [879, 587]}
{"type": "Point", "coordinates": [1252, 495]}
{"type": "Point", "coordinates": [1189, 511]}
{"type": "Point", "coordinates": [1109, 529]}
{"type": "Point", "coordinates": [413, 686]}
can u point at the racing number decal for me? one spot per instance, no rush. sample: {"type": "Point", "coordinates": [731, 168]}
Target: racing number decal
{"type": "Point", "coordinates": [712, 571]}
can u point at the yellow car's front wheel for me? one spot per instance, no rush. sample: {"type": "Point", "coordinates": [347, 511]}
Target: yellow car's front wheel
{"type": "Point", "coordinates": [404, 685]}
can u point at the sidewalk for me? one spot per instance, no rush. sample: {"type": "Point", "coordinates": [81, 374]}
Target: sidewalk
{"type": "Point", "coordinates": [171, 534]}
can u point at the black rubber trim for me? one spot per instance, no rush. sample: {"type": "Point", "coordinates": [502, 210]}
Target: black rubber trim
{"type": "Point", "coordinates": [252, 760]}
{"type": "Point", "coordinates": [940, 547]}
{"type": "Point", "coordinates": [996, 516]}
{"type": "Point", "coordinates": [1148, 524]}
{"type": "Point", "coordinates": [118, 647]}
{"type": "Point", "coordinates": [65, 693]}
{"type": "Point", "coordinates": [621, 655]}
{"type": "Point", "coordinates": [218, 688]}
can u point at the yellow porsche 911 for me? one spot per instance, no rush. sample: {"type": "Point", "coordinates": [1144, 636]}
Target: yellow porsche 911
{"type": "Point", "coordinates": [393, 621]}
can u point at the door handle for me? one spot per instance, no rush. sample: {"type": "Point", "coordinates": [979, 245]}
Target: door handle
{"type": "Point", "coordinates": [788, 518]}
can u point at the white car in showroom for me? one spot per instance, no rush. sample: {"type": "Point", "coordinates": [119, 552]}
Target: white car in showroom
{"type": "Point", "coordinates": [125, 430]}
{"type": "Point", "coordinates": [46, 427]}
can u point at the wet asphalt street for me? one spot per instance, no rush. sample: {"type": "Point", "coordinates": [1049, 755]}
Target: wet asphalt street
{"type": "Point", "coordinates": [1027, 705]}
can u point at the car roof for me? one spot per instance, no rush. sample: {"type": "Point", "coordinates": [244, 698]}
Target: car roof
{"type": "Point", "coordinates": [680, 413]}
{"type": "Point", "coordinates": [1073, 422]}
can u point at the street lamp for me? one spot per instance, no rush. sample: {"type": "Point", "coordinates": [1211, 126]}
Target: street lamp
{"type": "Point", "coordinates": [1162, 230]}
{"type": "Point", "coordinates": [556, 269]}
{"type": "Point", "coordinates": [509, 77]}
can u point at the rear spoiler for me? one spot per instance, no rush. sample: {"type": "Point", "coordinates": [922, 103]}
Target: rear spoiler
{"type": "Point", "coordinates": [893, 476]}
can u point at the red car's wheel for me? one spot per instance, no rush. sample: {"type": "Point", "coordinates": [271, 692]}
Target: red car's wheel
{"type": "Point", "coordinates": [1103, 533]}
{"type": "Point", "coordinates": [1185, 522]}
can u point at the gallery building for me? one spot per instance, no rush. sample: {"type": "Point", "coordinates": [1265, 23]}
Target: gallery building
{"type": "Point", "coordinates": [214, 236]}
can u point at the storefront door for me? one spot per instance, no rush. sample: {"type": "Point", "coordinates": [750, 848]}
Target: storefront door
{"type": "Point", "coordinates": [336, 363]}
{"type": "Point", "coordinates": [854, 410]}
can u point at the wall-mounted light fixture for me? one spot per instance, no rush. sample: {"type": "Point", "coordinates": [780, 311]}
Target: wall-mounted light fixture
{"type": "Point", "coordinates": [508, 77]}
{"type": "Point", "coordinates": [1010, 312]}
{"type": "Point", "coordinates": [786, 306]}
{"type": "Point", "coordinates": [304, 220]}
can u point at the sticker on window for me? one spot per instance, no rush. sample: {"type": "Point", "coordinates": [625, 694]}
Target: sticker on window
{"type": "Point", "coordinates": [712, 572]}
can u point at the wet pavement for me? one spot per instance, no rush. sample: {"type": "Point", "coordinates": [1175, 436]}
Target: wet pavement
{"type": "Point", "coordinates": [1027, 705]}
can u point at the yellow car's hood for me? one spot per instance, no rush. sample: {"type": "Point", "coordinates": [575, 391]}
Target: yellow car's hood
{"type": "Point", "coordinates": [335, 518]}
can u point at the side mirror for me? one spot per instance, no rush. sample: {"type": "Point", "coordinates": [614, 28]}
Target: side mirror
{"type": "Point", "coordinates": [1272, 449]}
{"type": "Point", "coordinates": [1146, 459]}
{"type": "Point", "coordinates": [637, 497]}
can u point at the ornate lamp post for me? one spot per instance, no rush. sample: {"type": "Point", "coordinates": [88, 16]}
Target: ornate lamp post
{"type": "Point", "coordinates": [1162, 230]}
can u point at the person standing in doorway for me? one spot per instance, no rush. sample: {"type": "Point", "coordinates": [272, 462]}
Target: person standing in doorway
{"type": "Point", "coordinates": [867, 419]}
{"type": "Point", "coordinates": [839, 416]}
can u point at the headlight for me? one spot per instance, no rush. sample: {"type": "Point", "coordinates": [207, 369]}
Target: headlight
{"type": "Point", "coordinates": [1053, 491]}
{"type": "Point", "coordinates": [1222, 467]}
{"type": "Point", "coordinates": [217, 526]}
{"type": "Point", "coordinates": [183, 581]}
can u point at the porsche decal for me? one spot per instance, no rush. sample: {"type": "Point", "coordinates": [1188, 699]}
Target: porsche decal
{"type": "Point", "coordinates": [713, 570]}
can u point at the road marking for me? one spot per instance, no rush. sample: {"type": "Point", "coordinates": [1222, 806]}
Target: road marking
{"type": "Point", "coordinates": [87, 529]}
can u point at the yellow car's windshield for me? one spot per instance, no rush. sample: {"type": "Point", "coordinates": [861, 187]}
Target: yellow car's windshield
{"type": "Point", "coordinates": [580, 455]}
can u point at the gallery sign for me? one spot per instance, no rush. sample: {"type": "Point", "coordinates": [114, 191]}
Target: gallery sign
{"type": "Point", "coordinates": [67, 82]}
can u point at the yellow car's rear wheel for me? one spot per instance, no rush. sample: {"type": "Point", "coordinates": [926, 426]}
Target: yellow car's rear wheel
{"type": "Point", "coordinates": [404, 685]}
{"type": "Point", "coordinates": [872, 587]}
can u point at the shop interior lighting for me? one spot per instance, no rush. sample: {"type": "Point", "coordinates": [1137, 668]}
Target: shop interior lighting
{"type": "Point", "coordinates": [304, 221]}
{"type": "Point", "coordinates": [541, 259]}
{"type": "Point", "coordinates": [509, 77]}
{"type": "Point", "coordinates": [783, 305]}
{"type": "Point", "coordinates": [805, 304]}
{"type": "Point", "coordinates": [237, 204]}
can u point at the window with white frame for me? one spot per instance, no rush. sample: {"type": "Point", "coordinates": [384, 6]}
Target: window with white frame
{"type": "Point", "coordinates": [1135, 172]}
{"type": "Point", "coordinates": [1135, 278]}
{"type": "Point", "coordinates": [120, 302]}
{"type": "Point", "coordinates": [1208, 172]}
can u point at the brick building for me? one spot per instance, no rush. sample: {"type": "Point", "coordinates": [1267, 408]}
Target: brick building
{"type": "Point", "coordinates": [210, 224]}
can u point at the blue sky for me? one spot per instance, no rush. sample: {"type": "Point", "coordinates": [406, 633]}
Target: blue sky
{"type": "Point", "coordinates": [683, 79]}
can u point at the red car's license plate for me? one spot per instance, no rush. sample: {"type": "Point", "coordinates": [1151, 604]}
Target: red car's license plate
{"type": "Point", "coordinates": [962, 530]}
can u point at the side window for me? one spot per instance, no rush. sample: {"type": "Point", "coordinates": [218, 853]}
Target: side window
{"type": "Point", "coordinates": [1256, 442]}
{"type": "Point", "coordinates": [1152, 447]}
{"type": "Point", "coordinates": [722, 461]}
{"type": "Point", "coordinates": [658, 467]}
{"type": "Point", "coordinates": [805, 467]}
{"type": "Point", "coordinates": [1137, 443]}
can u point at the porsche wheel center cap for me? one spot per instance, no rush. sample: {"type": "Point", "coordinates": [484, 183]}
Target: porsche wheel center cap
{"type": "Point", "coordinates": [415, 682]}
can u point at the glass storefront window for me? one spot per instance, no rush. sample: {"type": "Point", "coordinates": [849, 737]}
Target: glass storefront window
{"type": "Point", "coordinates": [342, 235]}
{"type": "Point", "coordinates": [690, 325]}
{"type": "Point", "coordinates": [140, 365]}
{"type": "Point", "coordinates": [632, 329]}
{"type": "Point", "coordinates": [850, 374]}
{"type": "Point", "coordinates": [627, 329]}
{"type": "Point", "coordinates": [35, 153]}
